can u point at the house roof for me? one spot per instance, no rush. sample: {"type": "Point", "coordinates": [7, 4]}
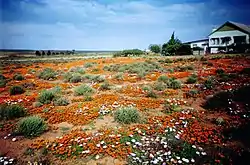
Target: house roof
{"type": "Point", "coordinates": [242, 27]}
{"type": "Point", "coordinates": [195, 41]}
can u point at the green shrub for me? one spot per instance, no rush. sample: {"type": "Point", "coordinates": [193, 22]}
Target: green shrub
{"type": "Point", "coordinates": [168, 108]}
{"type": "Point", "coordinates": [209, 83]}
{"type": "Point", "coordinates": [77, 70]}
{"type": "Point", "coordinates": [76, 78]}
{"type": "Point", "coordinates": [14, 90]}
{"type": "Point", "coordinates": [174, 84]}
{"type": "Point", "coordinates": [163, 79]}
{"type": "Point", "coordinates": [47, 74]}
{"type": "Point", "coordinates": [192, 79]}
{"type": "Point", "coordinates": [88, 98]}
{"type": "Point", "coordinates": [151, 93]}
{"type": "Point", "coordinates": [127, 115]}
{"type": "Point", "coordinates": [98, 78]}
{"type": "Point", "coordinates": [2, 77]}
{"type": "Point", "coordinates": [192, 93]}
{"type": "Point", "coordinates": [219, 71]}
{"type": "Point", "coordinates": [159, 86]}
{"type": "Point", "coordinates": [2, 83]}
{"type": "Point", "coordinates": [46, 96]}
{"type": "Point", "coordinates": [105, 86]}
{"type": "Point", "coordinates": [37, 104]}
{"type": "Point", "coordinates": [11, 111]}
{"type": "Point", "coordinates": [67, 76]}
{"type": "Point", "coordinates": [83, 90]}
{"type": "Point", "coordinates": [245, 71]}
{"type": "Point", "coordinates": [220, 121]}
{"type": "Point", "coordinates": [61, 101]}
{"type": "Point", "coordinates": [89, 64]}
{"type": "Point", "coordinates": [31, 126]}
{"type": "Point", "coordinates": [119, 76]}
{"type": "Point", "coordinates": [18, 77]}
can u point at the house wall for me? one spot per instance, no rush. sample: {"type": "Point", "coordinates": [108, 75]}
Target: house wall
{"type": "Point", "coordinates": [198, 44]}
{"type": "Point", "coordinates": [221, 34]}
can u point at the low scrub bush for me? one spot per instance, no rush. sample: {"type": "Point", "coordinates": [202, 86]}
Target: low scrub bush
{"type": "Point", "coordinates": [151, 93]}
{"type": "Point", "coordinates": [2, 83]}
{"type": "Point", "coordinates": [61, 101]}
{"type": "Point", "coordinates": [11, 111]}
{"type": "Point", "coordinates": [76, 78]}
{"type": "Point", "coordinates": [119, 76]}
{"type": "Point", "coordinates": [15, 90]}
{"type": "Point", "coordinates": [77, 70]}
{"type": "Point", "coordinates": [18, 77]}
{"type": "Point", "coordinates": [168, 108]}
{"type": "Point", "coordinates": [192, 79]}
{"type": "Point", "coordinates": [159, 86]}
{"type": "Point", "coordinates": [46, 96]}
{"type": "Point", "coordinates": [98, 78]}
{"type": "Point", "coordinates": [84, 90]}
{"type": "Point", "coordinates": [127, 115]}
{"type": "Point", "coordinates": [67, 76]}
{"type": "Point", "coordinates": [2, 77]}
{"type": "Point", "coordinates": [105, 86]}
{"type": "Point", "coordinates": [174, 84]}
{"type": "Point", "coordinates": [89, 64]}
{"type": "Point", "coordinates": [31, 126]}
{"type": "Point", "coordinates": [163, 78]}
{"type": "Point", "coordinates": [47, 74]}
{"type": "Point", "coordinates": [219, 71]}
{"type": "Point", "coordinates": [209, 83]}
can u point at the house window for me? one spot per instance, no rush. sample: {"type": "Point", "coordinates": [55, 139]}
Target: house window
{"type": "Point", "coordinates": [195, 45]}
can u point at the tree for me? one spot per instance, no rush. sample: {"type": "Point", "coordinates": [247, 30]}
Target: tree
{"type": "Point", "coordinates": [184, 50]}
{"type": "Point", "coordinates": [48, 53]}
{"type": "Point", "coordinates": [43, 53]}
{"type": "Point", "coordinates": [155, 48]}
{"type": "Point", "coordinates": [171, 47]}
{"type": "Point", "coordinates": [38, 53]}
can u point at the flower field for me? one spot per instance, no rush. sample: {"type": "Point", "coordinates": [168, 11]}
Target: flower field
{"type": "Point", "coordinates": [185, 111]}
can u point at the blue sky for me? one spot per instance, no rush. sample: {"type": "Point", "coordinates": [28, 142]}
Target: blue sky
{"type": "Point", "coordinates": [111, 24]}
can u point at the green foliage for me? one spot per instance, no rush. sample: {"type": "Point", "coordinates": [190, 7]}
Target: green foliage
{"type": "Point", "coordinates": [83, 90]}
{"type": "Point", "coordinates": [126, 53]}
{"type": "Point", "coordinates": [171, 47]}
{"type": "Point", "coordinates": [11, 111]}
{"type": "Point", "coordinates": [47, 74]}
{"type": "Point", "coordinates": [163, 78]}
{"type": "Point", "coordinates": [159, 86]}
{"type": "Point", "coordinates": [2, 83]}
{"type": "Point", "coordinates": [67, 76]}
{"type": "Point", "coordinates": [76, 78]}
{"type": "Point", "coordinates": [2, 77]}
{"type": "Point", "coordinates": [219, 71]}
{"type": "Point", "coordinates": [155, 48]}
{"type": "Point", "coordinates": [192, 79]}
{"type": "Point", "coordinates": [89, 64]}
{"type": "Point", "coordinates": [61, 101]}
{"type": "Point", "coordinates": [151, 93]}
{"type": "Point", "coordinates": [46, 96]}
{"type": "Point", "coordinates": [88, 98]}
{"type": "Point", "coordinates": [174, 84]}
{"type": "Point", "coordinates": [245, 71]}
{"type": "Point", "coordinates": [37, 104]}
{"type": "Point", "coordinates": [18, 77]}
{"type": "Point", "coordinates": [14, 90]}
{"type": "Point", "coordinates": [209, 83]}
{"type": "Point", "coordinates": [219, 100]}
{"type": "Point", "coordinates": [220, 121]}
{"type": "Point", "coordinates": [31, 126]}
{"type": "Point", "coordinates": [192, 93]}
{"type": "Point", "coordinates": [170, 108]}
{"type": "Point", "coordinates": [98, 78]}
{"type": "Point", "coordinates": [184, 50]}
{"type": "Point", "coordinates": [119, 76]}
{"type": "Point", "coordinates": [77, 70]}
{"type": "Point", "coordinates": [105, 86]}
{"type": "Point", "coordinates": [127, 115]}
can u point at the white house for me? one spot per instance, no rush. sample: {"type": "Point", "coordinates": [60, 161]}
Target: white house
{"type": "Point", "coordinates": [228, 34]}
{"type": "Point", "coordinates": [199, 46]}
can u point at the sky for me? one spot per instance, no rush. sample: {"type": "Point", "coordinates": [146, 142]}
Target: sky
{"type": "Point", "coordinates": [112, 24]}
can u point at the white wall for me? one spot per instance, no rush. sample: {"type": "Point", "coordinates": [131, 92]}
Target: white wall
{"type": "Point", "coordinates": [198, 44]}
{"type": "Point", "coordinates": [231, 33]}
